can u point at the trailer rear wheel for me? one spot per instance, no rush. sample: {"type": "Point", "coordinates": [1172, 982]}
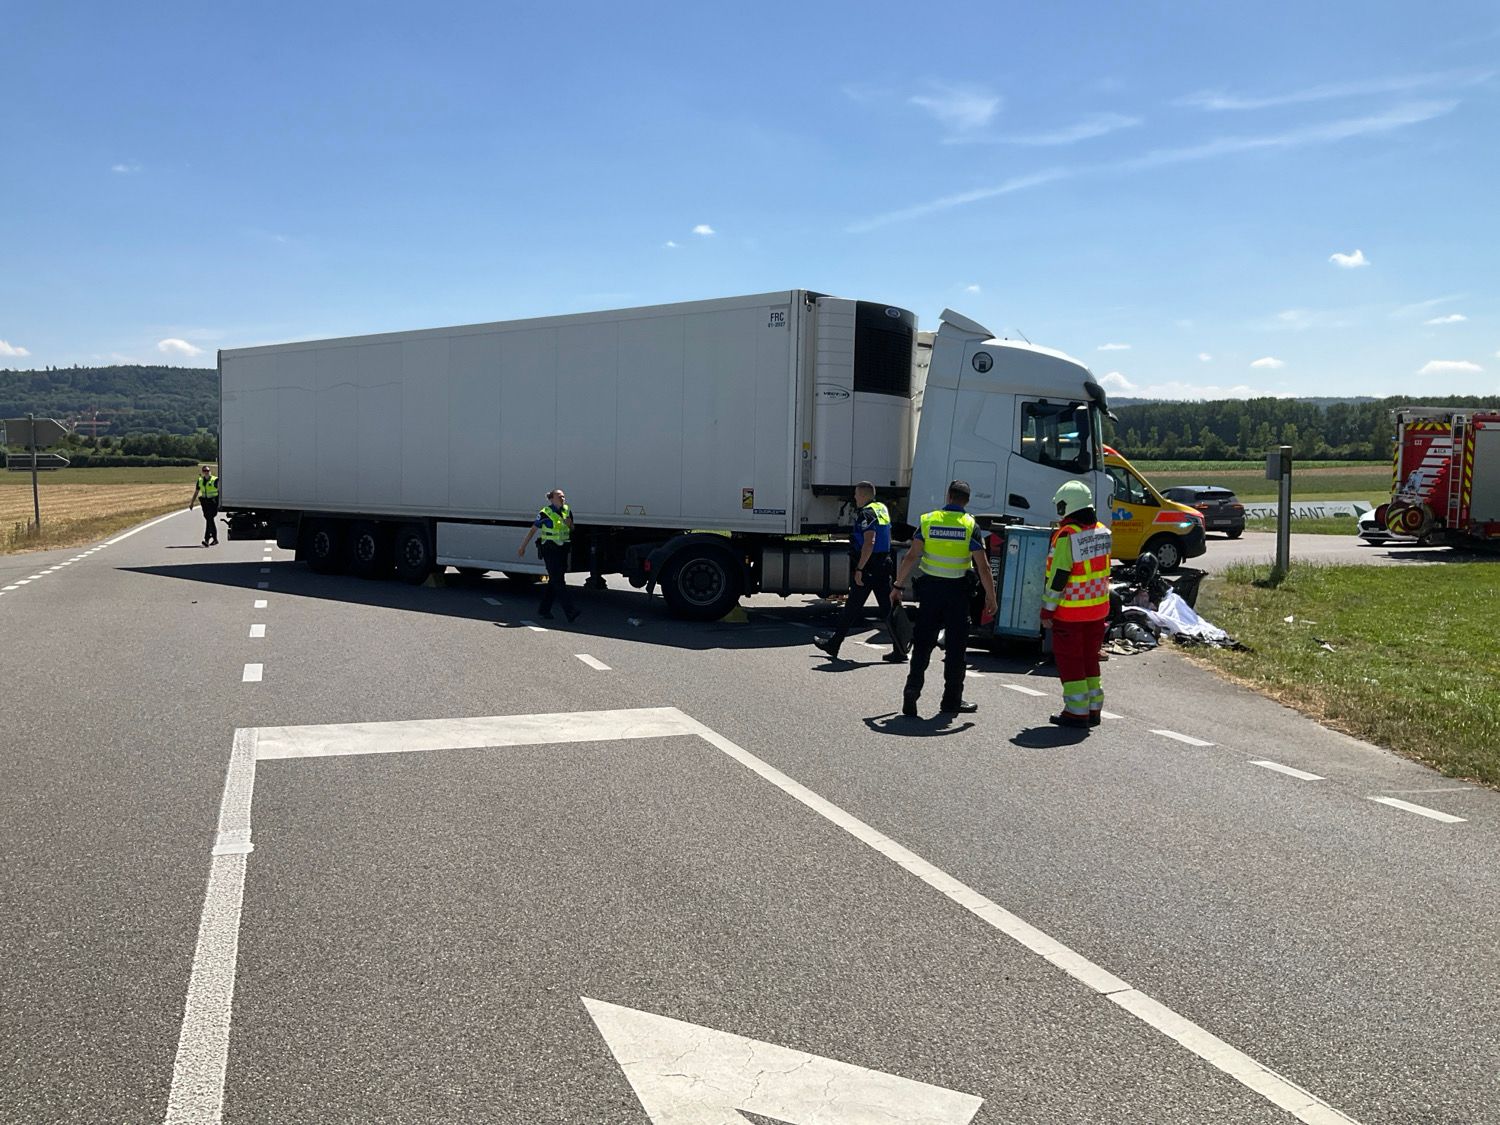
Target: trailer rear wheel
{"type": "Point", "coordinates": [369, 554]}
{"type": "Point", "coordinates": [413, 554]}
{"type": "Point", "coordinates": [701, 584]}
{"type": "Point", "coordinates": [324, 548]}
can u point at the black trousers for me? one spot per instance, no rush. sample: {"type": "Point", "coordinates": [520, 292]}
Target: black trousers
{"type": "Point", "coordinates": [556, 588]}
{"type": "Point", "coordinates": [877, 580]}
{"type": "Point", "coordinates": [210, 510]}
{"type": "Point", "coordinates": [944, 604]}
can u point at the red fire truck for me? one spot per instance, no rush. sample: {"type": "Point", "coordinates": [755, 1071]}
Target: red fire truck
{"type": "Point", "coordinates": [1445, 481]}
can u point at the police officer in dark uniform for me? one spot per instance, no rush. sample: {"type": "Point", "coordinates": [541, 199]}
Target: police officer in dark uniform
{"type": "Point", "coordinates": [870, 554]}
{"type": "Point", "coordinates": [555, 524]}
{"type": "Point", "coordinates": [946, 546]}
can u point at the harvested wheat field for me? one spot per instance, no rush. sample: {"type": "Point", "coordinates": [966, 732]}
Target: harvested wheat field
{"type": "Point", "coordinates": [80, 513]}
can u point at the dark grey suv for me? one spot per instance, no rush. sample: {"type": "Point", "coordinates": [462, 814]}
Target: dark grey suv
{"type": "Point", "coordinates": [1221, 508]}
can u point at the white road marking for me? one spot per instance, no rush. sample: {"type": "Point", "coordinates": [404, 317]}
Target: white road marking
{"type": "Point", "coordinates": [683, 1072]}
{"type": "Point", "coordinates": [1110, 715]}
{"type": "Point", "coordinates": [257, 631]}
{"type": "Point", "coordinates": [21, 582]}
{"type": "Point", "coordinates": [265, 570]}
{"type": "Point", "coordinates": [1420, 810]}
{"type": "Point", "coordinates": [134, 530]}
{"type": "Point", "coordinates": [1189, 739]}
{"type": "Point", "coordinates": [1289, 771]}
{"type": "Point", "coordinates": [260, 603]}
{"type": "Point", "coordinates": [252, 673]}
{"type": "Point", "coordinates": [1025, 690]}
{"type": "Point", "coordinates": [269, 542]}
{"type": "Point", "coordinates": [197, 1091]}
{"type": "Point", "coordinates": [17, 586]}
{"type": "Point", "coordinates": [33, 577]}
{"type": "Point", "coordinates": [597, 665]}
{"type": "Point", "coordinates": [533, 626]}
{"type": "Point", "coordinates": [262, 585]}
{"type": "Point", "coordinates": [492, 601]}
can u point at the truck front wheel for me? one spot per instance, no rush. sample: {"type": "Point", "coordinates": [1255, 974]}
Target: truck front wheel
{"type": "Point", "coordinates": [701, 585]}
{"type": "Point", "coordinates": [413, 554]}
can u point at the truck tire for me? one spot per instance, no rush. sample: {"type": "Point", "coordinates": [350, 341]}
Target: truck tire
{"type": "Point", "coordinates": [369, 552]}
{"type": "Point", "coordinates": [413, 554]}
{"type": "Point", "coordinates": [1167, 552]}
{"type": "Point", "coordinates": [701, 583]}
{"type": "Point", "coordinates": [324, 547]}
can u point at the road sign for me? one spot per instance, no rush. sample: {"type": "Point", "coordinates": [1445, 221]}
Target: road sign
{"type": "Point", "coordinates": [21, 462]}
{"type": "Point", "coordinates": [33, 433]}
{"type": "Point", "coordinates": [685, 1074]}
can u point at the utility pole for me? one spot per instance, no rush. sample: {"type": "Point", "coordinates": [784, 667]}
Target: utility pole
{"type": "Point", "coordinates": [1279, 469]}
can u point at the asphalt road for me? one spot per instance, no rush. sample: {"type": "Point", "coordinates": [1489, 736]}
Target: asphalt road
{"type": "Point", "coordinates": [460, 873]}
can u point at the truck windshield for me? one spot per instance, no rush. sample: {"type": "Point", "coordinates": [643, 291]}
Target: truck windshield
{"type": "Point", "coordinates": [1059, 434]}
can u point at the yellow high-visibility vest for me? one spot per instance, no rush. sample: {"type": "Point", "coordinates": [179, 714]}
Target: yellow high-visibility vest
{"type": "Point", "coordinates": [945, 543]}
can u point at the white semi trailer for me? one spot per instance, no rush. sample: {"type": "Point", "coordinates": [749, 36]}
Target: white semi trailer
{"type": "Point", "coordinates": [708, 448]}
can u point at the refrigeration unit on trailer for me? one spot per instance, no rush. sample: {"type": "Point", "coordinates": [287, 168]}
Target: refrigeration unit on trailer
{"type": "Point", "coordinates": [709, 448]}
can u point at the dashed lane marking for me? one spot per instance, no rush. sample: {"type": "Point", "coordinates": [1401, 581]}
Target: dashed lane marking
{"type": "Point", "coordinates": [1110, 715]}
{"type": "Point", "coordinates": [1187, 738]}
{"type": "Point", "coordinates": [533, 626]}
{"type": "Point", "coordinates": [1301, 775]}
{"type": "Point", "coordinates": [595, 664]}
{"type": "Point", "coordinates": [253, 673]}
{"type": "Point", "coordinates": [491, 601]}
{"type": "Point", "coordinates": [257, 631]}
{"type": "Point", "coordinates": [198, 1071]}
{"type": "Point", "coordinates": [1420, 810]}
{"type": "Point", "coordinates": [262, 585]}
{"type": "Point", "coordinates": [260, 603]}
{"type": "Point", "coordinates": [1025, 690]}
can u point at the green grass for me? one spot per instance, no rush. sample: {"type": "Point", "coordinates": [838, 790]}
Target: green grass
{"type": "Point", "coordinates": [1415, 666]}
{"type": "Point", "coordinates": [1256, 466]}
{"type": "Point", "coordinates": [1370, 482]}
{"type": "Point", "coordinates": [1332, 525]}
{"type": "Point", "coordinates": [153, 474]}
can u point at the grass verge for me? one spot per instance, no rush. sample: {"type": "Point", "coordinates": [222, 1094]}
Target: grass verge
{"type": "Point", "coordinates": [74, 530]}
{"type": "Point", "coordinates": [1415, 664]}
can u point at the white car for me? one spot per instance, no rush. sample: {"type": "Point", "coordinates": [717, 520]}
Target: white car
{"type": "Point", "coordinates": [1377, 535]}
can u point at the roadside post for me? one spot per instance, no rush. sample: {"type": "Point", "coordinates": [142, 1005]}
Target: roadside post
{"type": "Point", "coordinates": [31, 434]}
{"type": "Point", "coordinates": [1279, 469]}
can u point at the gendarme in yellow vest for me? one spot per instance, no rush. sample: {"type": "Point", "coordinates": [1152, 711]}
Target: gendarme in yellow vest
{"type": "Point", "coordinates": [208, 488]}
{"type": "Point", "coordinates": [945, 543]}
{"type": "Point", "coordinates": [555, 527]}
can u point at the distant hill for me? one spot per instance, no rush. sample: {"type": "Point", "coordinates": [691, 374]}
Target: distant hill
{"type": "Point", "coordinates": [136, 399]}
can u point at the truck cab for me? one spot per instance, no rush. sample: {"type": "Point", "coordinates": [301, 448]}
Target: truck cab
{"type": "Point", "coordinates": [1142, 519]}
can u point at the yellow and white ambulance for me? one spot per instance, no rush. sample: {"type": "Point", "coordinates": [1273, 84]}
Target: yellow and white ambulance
{"type": "Point", "coordinates": [1142, 519]}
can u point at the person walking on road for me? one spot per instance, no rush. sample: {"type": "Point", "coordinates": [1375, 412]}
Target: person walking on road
{"type": "Point", "coordinates": [870, 552]}
{"type": "Point", "coordinates": [206, 492]}
{"type": "Point", "coordinates": [1075, 604]}
{"type": "Point", "coordinates": [947, 544]}
{"type": "Point", "coordinates": [554, 531]}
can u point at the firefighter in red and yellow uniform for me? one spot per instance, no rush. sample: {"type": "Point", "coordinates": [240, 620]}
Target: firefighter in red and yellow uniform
{"type": "Point", "coordinates": [1076, 603]}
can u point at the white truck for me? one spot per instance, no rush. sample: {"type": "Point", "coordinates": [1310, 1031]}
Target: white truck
{"type": "Point", "coordinates": [708, 448]}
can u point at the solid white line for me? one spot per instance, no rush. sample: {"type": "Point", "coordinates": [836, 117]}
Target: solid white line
{"type": "Point", "coordinates": [1025, 690]}
{"type": "Point", "coordinates": [1110, 715]}
{"type": "Point", "coordinates": [1233, 1062]}
{"type": "Point", "coordinates": [252, 673]}
{"type": "Point", "coordinates": [1289, 771]}
{"type": "Point", "coordinates": [1420, 810]}
{"type": "Point", "coordinates": [257, 631]}
{"type": "Point", "coordinates": [340, 739]}
{"type": "Point", "coordinates": [492, 601]}
{"type": "Point", "coordinates": [197, 1094]}
{"type": "Point", "coordinates": [597, 665]}
{"type": "Point", "coordinates": [260, 603]}
{"type": "Point", "coordinates": [262, 585]}
{"type": "Point", "coordinates": [1189, 739]}
{"type": "Point", "coordinates": [143, 527]}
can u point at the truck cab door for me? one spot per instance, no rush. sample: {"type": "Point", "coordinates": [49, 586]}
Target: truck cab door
{"type": "Point", "coordinates": [1054, 443]}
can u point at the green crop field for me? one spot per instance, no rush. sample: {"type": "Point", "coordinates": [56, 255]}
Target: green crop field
{"type": "Point", "coordinates": [1349, 480]}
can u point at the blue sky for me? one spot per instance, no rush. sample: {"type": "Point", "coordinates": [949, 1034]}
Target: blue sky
{"type": "Point", "coordinates": [1196, 200]}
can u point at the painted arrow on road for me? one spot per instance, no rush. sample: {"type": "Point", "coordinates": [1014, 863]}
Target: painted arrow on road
{"type": "Point", "coordinates": [690, 1075]}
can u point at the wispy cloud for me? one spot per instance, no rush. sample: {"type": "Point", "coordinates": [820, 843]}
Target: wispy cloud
{"type": "Point", "coordinates": [1321, 133]}
{"type": "Point", "coordinates": [1095, 125]}
{"type": "Point", "coordinates": [1328, 91]}
{"type": "Point", "coordinates": [1299, 320]}
{"type": "Point", "coordinates": [1449, 367]}
{"type": "Point", "coordinates": [1427, 305]}
{"type": "Point", "coordinates": [1451, 318]}
{"type": "Point", "coordinates": [1205, 357]}
{"type": "Point", "coordinates": [1354, 261]}
{"type": "Point", "coordinates": [1268, 363]}
{"type": "Point", "coordinates": [1114, 347]}
{"type": "Point", "coordinates": [12, 351]}
{"type": "Point", "coordinates": [704, 229]}
{"type": "Point", "coordinates": [1117, 384]}
{"type": "Point", "coordinates": [971, 289]}
{"type": "Point", "coordinates": [181, 348]}
{"type": "Point", "coordinates": [669, 245]}
{"type": "Point", "coordinates": [126, 168]}
{"type": "Point", "coordinates": [960, 108]}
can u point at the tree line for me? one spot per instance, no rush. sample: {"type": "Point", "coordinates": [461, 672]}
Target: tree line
{"type": "Point", "coordinates": [1229, 430]}
{"type": "Point", "coordinates": [85, 450]}
{"type": "Point", "coordinates": [133, 399]}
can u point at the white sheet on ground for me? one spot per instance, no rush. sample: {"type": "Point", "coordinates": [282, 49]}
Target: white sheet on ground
{"type": "Point", "coordinates": [1175, 616]}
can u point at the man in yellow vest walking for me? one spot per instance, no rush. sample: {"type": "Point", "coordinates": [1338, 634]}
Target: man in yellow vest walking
{"type": "Point", "coordinates": [1076, 603]}
{"type": "Point", "coordinates": [870, 558]}
{"type": "Point", "coordinates": [206, 492]}
{"type": "Point", "coordinates": [946, 546]}
{"type": "Point", "coordinates": [554, 531]}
